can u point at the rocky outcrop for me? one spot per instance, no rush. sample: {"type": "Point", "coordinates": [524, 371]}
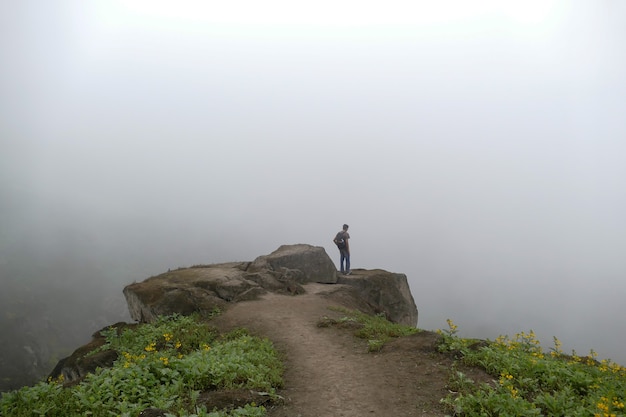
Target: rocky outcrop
{"type": "Point", "coordinates": [205, 288]}
{"type": "Point", "coordinates": [87, 358]}
{"type": "Point", "coordinates": [385, 292]}
{"type": "Point", "coordinates": [305, 263]}
{"type": "Point", "coordinates": [202, 289]}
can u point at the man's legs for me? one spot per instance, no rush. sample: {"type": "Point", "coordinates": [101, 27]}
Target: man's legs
{"type": "Point", "coordinates": [343, 257]}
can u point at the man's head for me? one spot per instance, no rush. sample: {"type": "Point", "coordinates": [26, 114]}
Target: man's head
{"type": "Point", "coordinates": [345, 227]}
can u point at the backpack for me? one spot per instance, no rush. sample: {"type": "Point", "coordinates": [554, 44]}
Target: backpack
{"type": "Point", "coordinates": [339, 241]}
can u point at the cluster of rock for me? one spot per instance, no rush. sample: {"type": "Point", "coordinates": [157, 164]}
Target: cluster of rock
{"type": "Point", "coordinates": [287, 270]}
{"type": "Point", "coordinates": [204, 288]}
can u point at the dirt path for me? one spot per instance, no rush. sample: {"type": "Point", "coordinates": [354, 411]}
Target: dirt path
{"type": "Point", "coordinates": [329, 372]}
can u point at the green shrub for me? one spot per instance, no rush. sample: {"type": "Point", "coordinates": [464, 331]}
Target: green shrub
{"type": "Point", "coordinates": [164, 365]}
{"type": "Point", "coordinates": [531, 382]}
{"type": "Point", "coordinates": [377, 330]}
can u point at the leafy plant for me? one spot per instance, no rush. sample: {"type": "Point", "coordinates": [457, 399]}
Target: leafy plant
{"type": "Point", "coordinates": [531, 382]}
{"type": "Point", "coordinates": [163, 365]}
{"type": "Point", "coordinates": [377, 330]}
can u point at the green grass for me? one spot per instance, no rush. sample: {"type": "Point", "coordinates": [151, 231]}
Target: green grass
{"type": "Point", "coordinates": [163, 365]}
{"type": "Point", "coordinates": [377, 330]}
{"type": "Point", "coordinates": [529, 381]}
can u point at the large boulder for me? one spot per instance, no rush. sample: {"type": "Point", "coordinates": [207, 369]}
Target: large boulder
{"type": "Point", "coordinates": [384, 292]}
{"type": "Point", "coordinates": [87, 358]}
{"type": "Point", "coordinates": [184, 291]}
{"type": "Point", "coordinates": [307, 263]}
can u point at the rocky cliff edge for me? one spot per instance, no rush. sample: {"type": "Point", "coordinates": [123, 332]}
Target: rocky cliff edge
{"type": "Point", "coordinates": [206, 288]}
{"type": "Point", "coordinates": [287, 270]}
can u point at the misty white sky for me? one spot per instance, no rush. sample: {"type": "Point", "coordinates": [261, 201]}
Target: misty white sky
{"type": "Point", "coordinates": [478, 147]}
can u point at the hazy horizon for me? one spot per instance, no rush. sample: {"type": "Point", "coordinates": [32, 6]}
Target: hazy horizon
{"type": "Point", "coordinates": [479, 149]}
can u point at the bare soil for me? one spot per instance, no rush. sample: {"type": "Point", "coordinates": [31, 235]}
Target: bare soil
{"type": "Point", "coordinates": [330, 373]}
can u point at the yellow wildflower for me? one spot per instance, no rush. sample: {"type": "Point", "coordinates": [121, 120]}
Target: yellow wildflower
{"type": "Point", "coordinates": [452, 326]}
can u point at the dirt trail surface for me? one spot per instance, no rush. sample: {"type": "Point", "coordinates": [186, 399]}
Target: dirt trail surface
{"type": "Point", "coordinates": [329, 372]}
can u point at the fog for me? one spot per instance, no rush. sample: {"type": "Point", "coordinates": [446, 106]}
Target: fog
{"type": "Point", "coordinates": [477, 149]}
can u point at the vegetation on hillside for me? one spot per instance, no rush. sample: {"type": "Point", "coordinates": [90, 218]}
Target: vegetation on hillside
{"type": "Point", "coordinates": [168, 364]}
{"type": "Point", "coordinates": [529, 381]}
{"type": "Point", "coordinates": [165, 365]}
{"type": "Point", "coordinates": [377, 330]}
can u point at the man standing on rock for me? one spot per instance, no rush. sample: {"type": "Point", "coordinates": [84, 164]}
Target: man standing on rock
{"type": "Point", "coordinates": [341, 240]}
